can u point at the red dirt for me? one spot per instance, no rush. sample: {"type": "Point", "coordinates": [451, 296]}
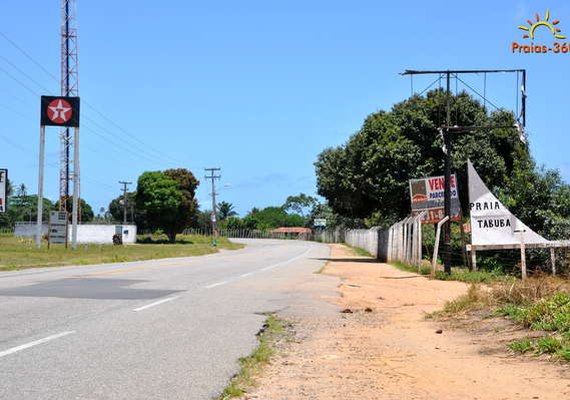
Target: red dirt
{"type": "Point", "coordinates": [386, 349]}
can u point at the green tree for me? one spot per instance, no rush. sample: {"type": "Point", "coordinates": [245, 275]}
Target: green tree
{"type": "Point", "coordinates": [368, 176]}
{"type": "Point", "coordinates": [167, 200]}
{"type": "Point", "coordinates": [24, 209]}
{"type": "Point", "coordinates": [86, 212]}
{"type": "Point", "coordinates": [116, 210]}
{"type": "Point", "coordinates": [226, 210]}
{"type": "Point", "coordinates": [300, 204]}
{"type": "Point", "coordinates": [272, 217]}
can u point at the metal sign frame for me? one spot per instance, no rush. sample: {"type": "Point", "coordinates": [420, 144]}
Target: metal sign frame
{"type": "Point", "coordinates": [71, 120]}
{"type": "Point", "coordinates": [57, 220]}
{"type": "Point", "coordinates": [64, 108]}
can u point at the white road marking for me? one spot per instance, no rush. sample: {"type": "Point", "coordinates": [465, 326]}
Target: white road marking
{"type": "Point", "coordinates": [34, 343]}
{"type": "Point", "coordinates": [213, 285]}
{"type": "Point", "coordinates": [285, 262]}
{"type": "Point", "coordinates": [156, 303]}
{"type": "Point", "coordinates": [245, 275]}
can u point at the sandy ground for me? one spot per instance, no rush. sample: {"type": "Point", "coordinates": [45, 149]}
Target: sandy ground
{"type": "Point", "coordinates": [386, 349]}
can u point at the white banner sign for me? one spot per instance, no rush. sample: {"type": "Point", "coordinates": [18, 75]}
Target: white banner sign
{"type": "Point", "coordinates": [491, 222]}
{"type": "Point", "coordinates": [320, 222]}
{"type": "Point", "coordinates": [3, 189]}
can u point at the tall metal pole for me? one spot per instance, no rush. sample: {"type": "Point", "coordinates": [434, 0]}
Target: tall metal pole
{"type": "Point", "coordinates": [523, 96]}
{"type": "Point", "coordinates": [75, 188]}
{"type": "Point", "coordinates": [41, 186]}
{"type": "Point", "coordinates": [125, 200]}
{"type": "Point", "coordinates": [213, 178]}
{"type": "Point", "coordinates": [447, 190]}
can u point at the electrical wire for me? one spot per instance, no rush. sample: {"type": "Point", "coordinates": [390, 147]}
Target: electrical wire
{"type": "Point", "coordinates": [157, 152]}
{"type": "Point", "coordinates": [478, 94]}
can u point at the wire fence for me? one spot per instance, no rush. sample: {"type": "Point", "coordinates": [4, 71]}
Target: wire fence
{"type": "Point", "coordinates": [6, 230]}
{"type": "Point", "coordinates": [250, 234]}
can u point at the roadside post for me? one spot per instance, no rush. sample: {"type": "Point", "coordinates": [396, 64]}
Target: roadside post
{"type": "Point", "coordinates": [3, 190]}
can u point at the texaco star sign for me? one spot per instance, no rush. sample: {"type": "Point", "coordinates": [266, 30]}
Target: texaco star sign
{"type": "Point", "coordinates": [60, 111]}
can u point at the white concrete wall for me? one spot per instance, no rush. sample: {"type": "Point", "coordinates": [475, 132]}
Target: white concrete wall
{"type": "Point", "coordinates": [86, 233]}
{"type": "Point", "coordinates": [366, 239]}
{"type": "Point", "coordinates": [28, 230]}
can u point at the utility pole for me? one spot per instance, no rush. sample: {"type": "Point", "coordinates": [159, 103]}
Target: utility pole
{"type": "Point", "coordinates": [125, 200]}
{"type": "Point", "coordinates": [448, 129]}
{"type": "Point", "coordinates": [213, 178]}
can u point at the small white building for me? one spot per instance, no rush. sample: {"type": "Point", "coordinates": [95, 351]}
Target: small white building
{"type": "Point", "coordinates": [86, 233]}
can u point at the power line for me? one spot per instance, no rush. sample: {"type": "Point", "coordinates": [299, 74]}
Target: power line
{"type": "Point", "coordinates": [85, 102]}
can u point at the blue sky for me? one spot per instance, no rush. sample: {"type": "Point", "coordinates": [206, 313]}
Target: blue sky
{"type": "Point", "coordinates": [258, 88]}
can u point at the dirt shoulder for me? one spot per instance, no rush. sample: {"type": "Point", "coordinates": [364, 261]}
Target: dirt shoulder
{"type": "Point", "coordinates": [382, 347]}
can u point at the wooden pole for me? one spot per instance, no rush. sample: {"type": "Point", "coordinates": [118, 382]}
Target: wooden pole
{"type": "Point", "coordinates": [553, 261]}
{"type": "Point", "coordinates": [523, 254]}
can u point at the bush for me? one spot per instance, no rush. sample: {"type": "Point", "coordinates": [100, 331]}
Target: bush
{"type": "Point", "coordinates": [117, 239]}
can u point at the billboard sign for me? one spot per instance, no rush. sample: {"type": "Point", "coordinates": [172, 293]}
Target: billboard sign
{"type": "Point", "coordinates": [427, 194]}
{"type": "Point", "coordinates": [58, 227]}
{"type": "Point", "coordinates": [320, 222]}
{"type": "Point", "coordinates": [59, 111]}
{"type": "Point", "coordinates": [3, 190]}
{"type": "Point", "coordinates": [491, 222]}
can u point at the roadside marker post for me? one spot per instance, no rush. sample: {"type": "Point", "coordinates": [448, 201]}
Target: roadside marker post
{"type": "Point", "coordinates": [436, 246]}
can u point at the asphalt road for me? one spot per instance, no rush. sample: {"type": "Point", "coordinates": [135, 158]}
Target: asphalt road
{"type": "Point", "coordinates": [164, 329]}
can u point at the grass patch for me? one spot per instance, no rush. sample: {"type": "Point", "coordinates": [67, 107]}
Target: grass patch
{"type": "Point", "coordinates": [460, 274]}
{"type": "Point", "coordinates": [540, 304]}
{"type": "Point", "coordinates": [273, 330]}
{"type": "Point", "coordinates": [357, 251]}
{"type": "Point", "coordinates": [476, 298]}
{"type": "Point", "coordinates": [18, 253]}
{"type": "Point", "coordinates": [521, 346]}
{"type": "Point", "coordinates": [411, 268]}
{"type": "Point", "coordinates": [548, 345]}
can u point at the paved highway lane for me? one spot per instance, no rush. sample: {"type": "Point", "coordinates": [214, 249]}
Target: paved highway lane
{"type": "Point", "coordinates": [164, 329]}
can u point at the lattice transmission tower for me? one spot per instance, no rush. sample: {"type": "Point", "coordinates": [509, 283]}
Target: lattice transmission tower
{"type": "Point", "coordinates": [69, 87]}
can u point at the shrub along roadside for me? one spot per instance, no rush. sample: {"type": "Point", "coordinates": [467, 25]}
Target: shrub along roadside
{"type": "Point", "coordinates": [273, 331]}
{"type": "Point", "coordinates": [540, 304]}
{"type": "Point", "coordinates": [457, 274]}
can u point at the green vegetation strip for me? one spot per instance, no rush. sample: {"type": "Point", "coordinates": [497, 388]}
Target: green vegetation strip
{"type": "Point", "coordinates": [357, 251]}
{"type": "Point", "coordinates": [541, 305]}
{"type": "Point", "coordinates": [460, 274]}
{"type": "Point", "coordinates": [273, 331]}
{"type": "Point", "coordinates": [551, 316]}
{"type": "Point", "coordinates": [16, 253]}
